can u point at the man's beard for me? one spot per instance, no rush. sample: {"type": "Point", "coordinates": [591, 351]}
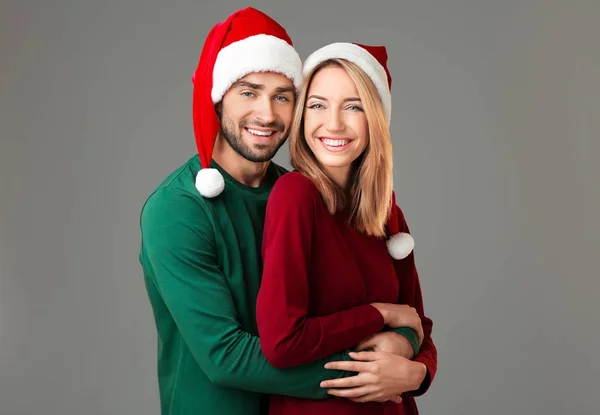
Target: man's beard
{"type": "Point", "coordinates": [258, 153]}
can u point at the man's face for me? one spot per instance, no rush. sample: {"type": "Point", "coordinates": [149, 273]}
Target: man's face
{"type": "Point", "coordinates": [256, 114]}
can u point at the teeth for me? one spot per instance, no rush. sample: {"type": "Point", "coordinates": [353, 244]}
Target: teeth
{"type": "Point", "coordinates": [335, 143]}
{"type": "Point", "coordinates": [260, 133]}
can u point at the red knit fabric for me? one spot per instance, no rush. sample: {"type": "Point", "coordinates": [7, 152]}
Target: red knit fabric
{"type": "Point", "coordinates": [319, 278]}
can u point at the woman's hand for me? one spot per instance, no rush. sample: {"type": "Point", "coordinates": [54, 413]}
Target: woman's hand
{"type": "Point", "coordinates": [401, 315]}
{"type": "Point", "coordinates": [381, 377]}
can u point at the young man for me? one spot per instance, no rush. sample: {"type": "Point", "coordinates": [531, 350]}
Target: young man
{"type": "Point", "coordinates": [202, 229]}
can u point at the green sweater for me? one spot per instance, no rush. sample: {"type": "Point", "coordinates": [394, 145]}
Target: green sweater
{"type": "Point", "coordinates": [201, 260]}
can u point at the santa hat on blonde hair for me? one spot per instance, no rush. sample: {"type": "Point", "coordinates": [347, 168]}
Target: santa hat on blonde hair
{"type": "Point", "coordinates": [248, 41]}
{"type": "Point", "coordinates": [373, 61]}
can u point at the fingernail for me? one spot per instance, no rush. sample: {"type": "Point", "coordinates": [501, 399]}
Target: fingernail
{"type": "Point", "coordinates": [327, 365]}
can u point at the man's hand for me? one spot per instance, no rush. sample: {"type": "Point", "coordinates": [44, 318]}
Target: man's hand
{"type": "Point", "coordinates": [401, 315]}
{"type": "Point", "coordinates": [381, 377]}
{"type": "Point", "coordinates": [389, 342]}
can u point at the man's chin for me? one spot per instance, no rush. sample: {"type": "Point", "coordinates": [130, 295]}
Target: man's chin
{"type": "Point", "coordinates": [262, 156]}
{"type": "Point", "coordinates": [266, 150]}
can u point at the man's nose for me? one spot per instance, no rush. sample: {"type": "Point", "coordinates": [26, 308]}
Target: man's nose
{"type": "Point", "coordinates": [264, 111]}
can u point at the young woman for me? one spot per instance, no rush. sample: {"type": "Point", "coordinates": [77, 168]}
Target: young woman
{"type": "Point", "coordinates": [338, 261]}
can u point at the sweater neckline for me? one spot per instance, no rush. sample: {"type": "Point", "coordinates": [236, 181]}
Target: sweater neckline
{"type": "Point", "coordinates": [265, 186]}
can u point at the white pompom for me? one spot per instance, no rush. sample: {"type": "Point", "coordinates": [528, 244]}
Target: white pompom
{"type": "Point", "coordinates": [210, 182]}
{"type": "Point", "coordinates": [400, 245]}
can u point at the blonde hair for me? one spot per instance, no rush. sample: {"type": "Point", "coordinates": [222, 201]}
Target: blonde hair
{"type": "Point", "coordinates": [371, 189]}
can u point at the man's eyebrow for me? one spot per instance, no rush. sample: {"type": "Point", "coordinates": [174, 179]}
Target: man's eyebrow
{"type": "Point", "coordinates": [284, 89]}
{"type": "Point", "coordinates": [260, 87]}
{"type": "Point", "coordinates": [250, 85]}
{"type": "Point", "coordinates": [325, 99]}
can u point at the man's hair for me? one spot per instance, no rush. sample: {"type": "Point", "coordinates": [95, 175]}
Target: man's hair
{"type": "Point", "coordinates": [371, 178]}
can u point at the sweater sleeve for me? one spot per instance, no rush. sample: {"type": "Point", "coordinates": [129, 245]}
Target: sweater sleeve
{"type": "Point", "coordinates": [179, 246]}
{"type": "Point", "coordinates": [410, 293]}
{"type": "Point", "coordinates": [289, 336]}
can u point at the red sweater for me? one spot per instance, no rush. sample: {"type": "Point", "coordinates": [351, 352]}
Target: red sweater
{"type": "Point", "coordinates": [319, 278]}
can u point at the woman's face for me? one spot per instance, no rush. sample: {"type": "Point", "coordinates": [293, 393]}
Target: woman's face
{"type": "Point", "coordinates": [335, 124]}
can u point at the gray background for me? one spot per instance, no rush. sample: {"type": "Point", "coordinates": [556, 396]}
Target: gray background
{"type": "Point", "coordinates": [495, 128]}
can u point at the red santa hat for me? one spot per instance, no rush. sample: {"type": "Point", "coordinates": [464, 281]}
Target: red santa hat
{"type": "Point", "coordinates": [248, 41]}
{"type": "Point", "coordinates": [373, 61]}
